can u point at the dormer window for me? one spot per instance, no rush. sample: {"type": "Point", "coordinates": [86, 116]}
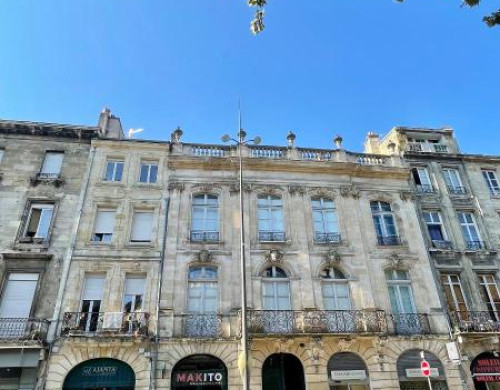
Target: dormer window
{"type": "Point", "coordinates": [426, 145]}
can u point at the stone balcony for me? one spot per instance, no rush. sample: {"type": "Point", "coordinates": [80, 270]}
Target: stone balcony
{"type": "Point", "coordinates": [105, 324]}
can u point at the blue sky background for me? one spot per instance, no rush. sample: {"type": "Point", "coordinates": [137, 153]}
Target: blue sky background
{"type": "Point", "coordinates": [320, 68]}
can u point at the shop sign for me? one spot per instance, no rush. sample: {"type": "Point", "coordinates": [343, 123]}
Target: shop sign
{"type": "Point", "coordinates": [486, 370]}
{"type": "Point", "coordinates": [346, 375]}
{"type": "Point", "coordinates": [417, 373]}
{"type": "Point", "coordinates": [99, 371]}
{"type": "Point", "coordinates": [199, 378]}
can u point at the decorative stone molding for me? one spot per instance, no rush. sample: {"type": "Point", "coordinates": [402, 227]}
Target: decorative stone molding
{"type": "Point", "coordinates": [235, 187]}
{"type": "Point", "coordinates": [175, 185]}
{"type": "Point", "coordinates": [322, 191]}
{"type": "Point", "coordinates": [332, 258]}
{"type": "Point", "coordinates": [206, 187]}
{"type": "Point", "coordinates": [394, 261]}
{"type": "Point", "coordinates": [204, 256]}
{"type": "Point", "coordinates": [296, 189]}
{"type": "Point", "coordinates": [345, 344]}
{"type": "Point", "coordinates": [268, 189]}
{"type": "Point", "coordinates": [407, 196]}
{"type": "Point", "coordinates": [350, 191]}
{"type": "Point", "coordinates": [274, 256]}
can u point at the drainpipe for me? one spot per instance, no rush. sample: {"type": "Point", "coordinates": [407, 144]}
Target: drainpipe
{"type": "Point", "coordinates": [154, 354]}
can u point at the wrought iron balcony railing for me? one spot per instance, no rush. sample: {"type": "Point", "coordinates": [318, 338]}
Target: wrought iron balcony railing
{"type": "Point", "coordinates": [424, 188]}
{"type": "Point", "coordinates": [316, 321]}
{"type": "Point", "coordinates": [442, 244]}
{"type": "Point", "coordinates": [118, 323]}
{"type": "Point", "coordinates": [202, 325]}
{"type": "Point", "coordinates": [327, 237]}
{"type": "Point", "coordinates": [475, 245]}
{"type": "Point", "coordinates": [388, 240]}
{"type": "Point", "coordinates": [476, 321]}
{"type": "Point", "coordinates": [411, 323]}
{"type": "Point", "coordinates": [199, 235]}
{"type": "Point", "coordinates": [23, 329]}
{"type": "Point", "coordinates": [271, 236]}
{"type": "Point", "coordinates": [438, 148]}
{"type": "Point", "coordinates": [457, 190]}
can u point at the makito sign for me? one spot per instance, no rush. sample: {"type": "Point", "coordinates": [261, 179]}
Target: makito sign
{"type": "Point", "coordinates": [199, 378]}
{"type": "Point", "coordinates": [425, 368]}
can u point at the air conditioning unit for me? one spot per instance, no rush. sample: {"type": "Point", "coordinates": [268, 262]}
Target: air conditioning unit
{"type": "Point", "coordinates": [112, 321]}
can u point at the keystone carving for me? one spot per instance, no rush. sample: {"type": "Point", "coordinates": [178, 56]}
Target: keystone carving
{"type": "Point", "coordinates": [406, 196]}
{"type": "Point", "coordinates": [175, 185]}
{"type": "Point", "coordinates": [345, 344]}
{"type": "Point", "coordinates": [333, 258]}
{"type": "Point", "coordinates": [395, 261]}
{"type": "Point", "coordinates": [351, 191]}
{"type": "Point", "coordinates": [204, 256]}
{"type": "Point", "coordinates": [274, 256]}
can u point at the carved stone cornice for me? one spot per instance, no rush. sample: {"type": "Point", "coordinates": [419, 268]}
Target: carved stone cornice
{"type": "Point", "coordinates": [350, 191]}
{"type": "Point", "coordinates": [407, 196]}
{"type": "Point", "coordinates": [206, 187]}
{"type": "Point", "coordinates": [270, 189]}
{"type": "Point", "coordinates": [175, 185]}
{"type": "Point", "coordinates": [322, 191]}
{"type": "Point", "coordinates": [296, 189]}
{"type": "Point", "coordinates": [235, 187]}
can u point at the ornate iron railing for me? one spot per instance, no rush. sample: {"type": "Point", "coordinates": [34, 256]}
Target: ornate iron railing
{"type": "Point", "coordinates": [442, 244]}
{"type": "Point", "coordinates": [202, 325]}
{"type": "Point", "coordinates": [440, 148]}
{"type": "Point", "coordinates": [476, 321]}
{"type": "Point", "coordinates": [316, 321]}
{"type": "Point", "coordinates": [388, 240]}
{"type": "Point", "coordinates": [119, 323]}
{"type": "Point", "coordinates": [411, 323]}
{"type": "Point", "coordinates": [271, 236]}
{"type": "Point", "coordinates": [424, 188]}
{"type": "Point", "coordinates": [475, 245]}
{"type": "Point", "coordinates": [457, 190]}
{"type": "Point", "coordinates": [23, 329]}
{"type": "Point", "coordinates": [327, 237]}
{"type": "Point", "coordinates": [198, 235]}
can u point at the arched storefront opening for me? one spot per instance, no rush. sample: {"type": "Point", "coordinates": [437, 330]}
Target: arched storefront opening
{"type": "Point", "coordinates": [100, 374]}
{"type": "Point", "coordinates": [410, 376]}
{"type": "Point", "coordinates": [347, 371]}
{"type": "Point", "coordinates": [199, 372]}
{"type": "Point", "coordinates": [283, 371]}
{"type": "Point", "coordinates": [485, 370]}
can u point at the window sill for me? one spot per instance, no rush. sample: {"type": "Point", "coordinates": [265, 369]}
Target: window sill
{"type": "Point", "coordinates": [55, 181]}
{"type": "Point", "coordinates": [146, 244]}
{"type": "Point", "coordinates": [27, 244]}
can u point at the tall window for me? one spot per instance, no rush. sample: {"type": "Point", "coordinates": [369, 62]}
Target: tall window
{"type": "Point", "coordinates": [104, 226]}
{"type": "Point", "coordinates": [91, 303]}
{"type": "Point", "coordinates": [17, 296]}
{"type": "Point", "coordinates": [436, 230]}
{"type": "Point", "coordinates": [205, 218]}
{"type": "Point", "coordinates": [453, 181]}
{"type": "Point", "coordinates": [402, 304]}
{"type": "Point", "coordinates": [454, 295]}
{"type": "Point", "coordinates": [422, 179]}
{"type": "Point", "coordinates": [384, 223]}
{"type": "Point", "coordinates": [142, 225]}
{"type": "Point", "coordinates": [114, 170]}
{"type": "Point", "coordinates": [492, 182]}
{"type": "Point", "coordinates": [133, 294]}
{"type": "Point", "coordinates": [203, 296]}
{"type": "Point", "coordinates": [470, 231]}
{"type": "Point", "coordinates": [326, 226]}
{"type": "Point", "coordinates": [275, 290]}
{"type": "Point", "coordinates": [490, 295]}
{"type": "Point", "coordinates": [51, 167]}
{"type": "Point", "coordinates": [39, 219]}
{"type": "Point", "coordinates": [149, 172]}
{"type": "Point", "coordinates": [271, 226]}
{"type": "Point", "coordinates": [335, 290]}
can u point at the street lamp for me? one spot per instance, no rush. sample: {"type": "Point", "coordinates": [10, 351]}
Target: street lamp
{"type": "Point", "coordinates": [244, 342]}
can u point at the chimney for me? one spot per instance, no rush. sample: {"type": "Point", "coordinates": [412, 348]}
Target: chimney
{"type": "Point", "coordinates": [372, 143]}
{"type": "Point", "coordinates": [110, 125]}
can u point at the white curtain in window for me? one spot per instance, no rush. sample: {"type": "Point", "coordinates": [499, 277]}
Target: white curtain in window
{"type": "Point", "coordinates": [52, 162]}
{"type": "Point", "coordinates": [142, 223]}
{"type": "Point", "coordinates": [336, 296]}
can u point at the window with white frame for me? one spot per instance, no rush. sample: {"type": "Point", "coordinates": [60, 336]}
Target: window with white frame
{"type": "Point", "coordinates": [17, 298]}
{"type": "Point", "coordinates": [453, 181]}
{"type": "Point", "coordinates": [436, 230]}
{"type": "Point", "coordinates": [422, 180]}
{"type": "Point", "coordinates": [133, 293]}
{"type": "Point", "coordinates": [490, 295]}
{"type": "Point", "coordinates": [275, 289]}
{"type": "Point", "coordinates": [454, 295]}
{"type": "Point", "coordinates": [114, 170]}
{"type": "Point", "coordinates": [271, 226]}
{"type": "Point", "coordinates": [205, 218]}
{"type": "Point", "coordinates": [51, 167]}
{"type": "Point", "coordinates": [385, 227]}
{"type": "Point", "coordinates": [104, 225]}
{"type": "Point", "coordinates": [400, 292]}
{"type": "Point", "coordinates": [492, 182]}
{"type": "Point", "coordinates": [470, 232]}
{"type": "Point", "coordinates": [326, 225]}
{"type": "Point", "coordinates": [142, 226]}
{"type": "Point", "coordinates": [90, 305]}
{"type": "Point", "coordinates": [38, 222]}
{"type": "Point", "coordinates": [149, 172]}
{"type": "Point", "coordinates": [335, 289]}
{"type": "Point", "coordinates": [203, 290]}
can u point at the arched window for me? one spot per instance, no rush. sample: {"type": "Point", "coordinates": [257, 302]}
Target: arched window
{"type": "Point", "coordinates": [203, 294]}
{"type": "Point", "coordinates": [205, 218]}
{"type": "Point", "coordinates": [326, 225]}
{"type": "Point", "coordinates": [275, 289]}
{"type": "Point", "coordinates": [335, 289]}
{"type": "Point", "coordinates": [385, 227]}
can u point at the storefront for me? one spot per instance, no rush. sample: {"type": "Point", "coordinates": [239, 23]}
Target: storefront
{"type": "Point", "coordinates": [410, 375]}
{"type": "Point", "coordinates": [282, 371]}
{"type": "Point", "coordinates": [19, 367]}
{"type": "Point", "coordinates": [100, 374]}
{"type": "Point", "coordinates": [347, 371]}
{"type": "Point", "coordinates": [485, 370]}
{"type": "Point", "coordinates": [199, 372]}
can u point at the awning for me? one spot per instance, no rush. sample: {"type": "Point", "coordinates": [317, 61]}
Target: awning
{"type": "Point", "coordinates": [19, 358]}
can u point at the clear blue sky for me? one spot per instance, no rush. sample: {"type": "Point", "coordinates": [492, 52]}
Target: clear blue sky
{"type": "Point", "coordinates": [320, 68]}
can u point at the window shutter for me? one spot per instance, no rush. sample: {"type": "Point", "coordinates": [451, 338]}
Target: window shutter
{"type": "Point", "coordinates": [142, 224]}
{"type": "Point", "coordinates": [105, 221]}
{"type": "Point", "coordinates": [92, 290]}
{"type": "Point", "coordinates": [18, 295]}
{"type": "Point", "coordinates": [134, 285]}
{"type": "Point", "coordinates": [52, 162]}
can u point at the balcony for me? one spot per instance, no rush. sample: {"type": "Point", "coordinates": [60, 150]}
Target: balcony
{"type": "Point", "coordinates": [439, 148]}
{"type": "Point", "coordinates": [457, 190]}
{"type": "Point", "coordinates": [388, 240]}
{"type": "Point", "coordinates": [202, 325]}
{"type": "Point", "coordinates": [23, 329]}
{"type": "Point", "coordinates": [105, 323]}
{"type": "Point", "coordinates": [316, 321]}
{"type": "Point", "coordinates": [271, 236]}
{"type": "Point", "coordinates": [408, 324]}
{"type": "Point", "coordinates": [427, 147]}
{"type": "Point", "coordinates": [476, 321]}
{"type": "Point", "coordinates": [424, 188]}
{"type": "Point", "coordinates": [320, 237]}
{"type": "Point", "coordinates": [204, 236]}
{"type": "Point", "coordinates": [475, 245]}
{"type": "Point", "coordinates": [442, 245]}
